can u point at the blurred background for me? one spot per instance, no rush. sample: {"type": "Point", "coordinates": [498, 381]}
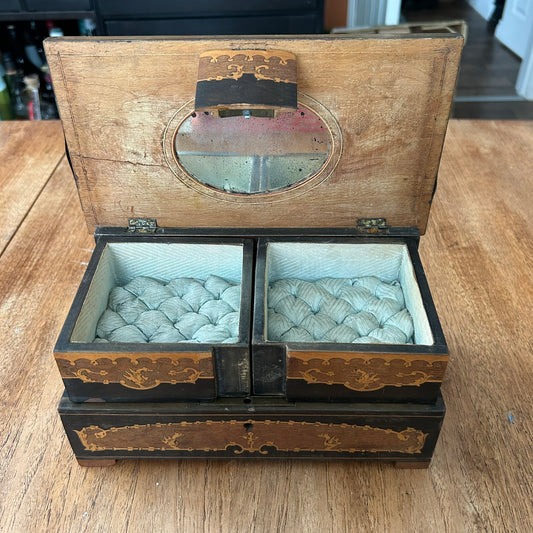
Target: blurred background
{"type": "Point", "coordinates": [495, 80]}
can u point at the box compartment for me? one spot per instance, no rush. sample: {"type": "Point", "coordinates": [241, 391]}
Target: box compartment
{"type": "Point", "coordinates": [176, 339]}
{"type": "Point", "coordinates": [335, 362]}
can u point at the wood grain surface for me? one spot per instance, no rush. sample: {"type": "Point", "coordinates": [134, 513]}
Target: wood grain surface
{"type": "Point", "coordinates": [392, 109]}
{"type": "Point", "coordinates": [29, 155]}
{"type": "Point", "coordinates": [477, 255]}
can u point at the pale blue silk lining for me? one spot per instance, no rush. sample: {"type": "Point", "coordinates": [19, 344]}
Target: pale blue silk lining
{"type": "Point", "coordinates": [338, 310]}
{"type": "Point", "coordinates": [182, 310]}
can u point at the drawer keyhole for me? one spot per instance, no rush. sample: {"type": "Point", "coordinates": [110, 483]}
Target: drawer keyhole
{"type": "Point", "coordinates": [248, 427]}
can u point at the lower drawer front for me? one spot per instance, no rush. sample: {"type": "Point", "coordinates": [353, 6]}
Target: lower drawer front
{"type": "Point", "coordinates": [248, 430]}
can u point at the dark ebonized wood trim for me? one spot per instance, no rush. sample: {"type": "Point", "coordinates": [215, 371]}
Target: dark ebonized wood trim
{"type": "Point", "coordinates": [257, 429]}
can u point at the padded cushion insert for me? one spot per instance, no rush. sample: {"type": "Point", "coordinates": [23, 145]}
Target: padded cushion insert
{"type": "Point", "coordinates": [338, 310]}
{"type": "Point", "coordinates": [182, 310]}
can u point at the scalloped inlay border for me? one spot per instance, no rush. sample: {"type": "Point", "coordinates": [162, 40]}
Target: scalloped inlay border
{"type": "Point", "coordinates": [253, 436]}
{"type": "Point", "coordinates": [141, 372]}
{"type": "Point", "coordinates": [366, 372]}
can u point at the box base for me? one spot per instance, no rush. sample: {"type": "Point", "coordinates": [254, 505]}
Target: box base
{"type": "Point", "coordinates": [419, 465]}
{"type": "Point", "coordinates": [261, 428]}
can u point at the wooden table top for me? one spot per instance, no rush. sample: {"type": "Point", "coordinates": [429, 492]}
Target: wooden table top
{"type": "Point", "coordinates": [477, 254]}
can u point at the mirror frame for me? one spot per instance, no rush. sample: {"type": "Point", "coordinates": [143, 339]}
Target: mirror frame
{"type": "Point", "coordinates": [300, 187]}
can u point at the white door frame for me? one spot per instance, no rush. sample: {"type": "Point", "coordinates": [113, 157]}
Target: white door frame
{"type": "Point", "coordinates": [392, 12]}
{"type": "Point", "coordinates": [363, 13]}
{"type": "Point", "coordinates": [524, 82]}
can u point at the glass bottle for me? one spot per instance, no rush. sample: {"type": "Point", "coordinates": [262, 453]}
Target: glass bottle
{"type": "Point", "coordinates": [15, 84]}
{"type": "Point", "coordinates": [48, 102]}
{"type": "Point", "coordinates": [35, 53]}
{"type": "Point", "coordinates": [87, 27]}
{"type": "Point", "coordinates": [6, 111]}
{"type": "Point", "coordinates": [33, 47]}
{"type": "Point", "coordinates": [15, 49]}
{"type": "Point", "coordinates": [31, 96]}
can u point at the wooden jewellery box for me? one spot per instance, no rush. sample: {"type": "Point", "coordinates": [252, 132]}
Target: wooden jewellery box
{"type": "Point", "coordinates": [257, 204]}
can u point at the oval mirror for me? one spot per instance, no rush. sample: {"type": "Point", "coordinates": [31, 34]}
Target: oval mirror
{"type": "Point", "coordinates": [249, 154]}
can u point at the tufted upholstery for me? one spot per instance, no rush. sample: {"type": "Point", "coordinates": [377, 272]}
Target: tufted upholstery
{"type": "Point", "coordinates": [182, 310]}
{"type": "Point", "coordinates": [339, 310]}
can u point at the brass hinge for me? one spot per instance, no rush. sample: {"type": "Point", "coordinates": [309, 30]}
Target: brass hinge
{"type": "Point", "coordinates": [142, 225]}
{"type": "Point", "coordinates": [372, 225]}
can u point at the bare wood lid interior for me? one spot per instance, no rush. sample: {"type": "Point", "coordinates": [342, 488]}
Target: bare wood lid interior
{"type": "Point", "coordinates": [385, 103]}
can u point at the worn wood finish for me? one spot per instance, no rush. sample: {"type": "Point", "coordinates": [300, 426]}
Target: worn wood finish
{"type": "Point", "coordinates": [263, 429]}
{"type": "Point", "coordinates": [392, 118]}
{"type": "Point", "coordinates": [397, 464]}
{"type": "Point", "coordinates": [108, 462]}
{"type": "Point", "coordinates": [476, 255]}
{"type": "Point", "coordinates": [25, 169]}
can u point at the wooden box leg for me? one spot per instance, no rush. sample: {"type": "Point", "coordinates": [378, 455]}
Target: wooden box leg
{"type": "Point", "coordinates": [412, 464]}
{"type": "Point", "coordinates": [96, 462]}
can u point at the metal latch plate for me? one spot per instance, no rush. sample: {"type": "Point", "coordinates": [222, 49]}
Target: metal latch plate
{"type": "Point", "coordinates": [142, 225]}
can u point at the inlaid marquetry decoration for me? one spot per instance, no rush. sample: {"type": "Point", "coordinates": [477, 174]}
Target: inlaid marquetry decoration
{"type": "Point", "coordinates": [252, 436]}
{"type": "Point", "coordinates": [246, 79]}
{"type": "Point", "coordinates": [366, 372]}
{"type": "Point", "coordinates": [141, 372]}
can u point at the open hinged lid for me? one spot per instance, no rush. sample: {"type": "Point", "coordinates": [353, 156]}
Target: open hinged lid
{"type": "Point", "coordinates": [307, 132]}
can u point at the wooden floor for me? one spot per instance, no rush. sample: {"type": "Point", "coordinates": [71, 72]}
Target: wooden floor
{"type": "Point", "coordinates": [477, 252]}
{"type": "Point", "coordinates": [486, 83]}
